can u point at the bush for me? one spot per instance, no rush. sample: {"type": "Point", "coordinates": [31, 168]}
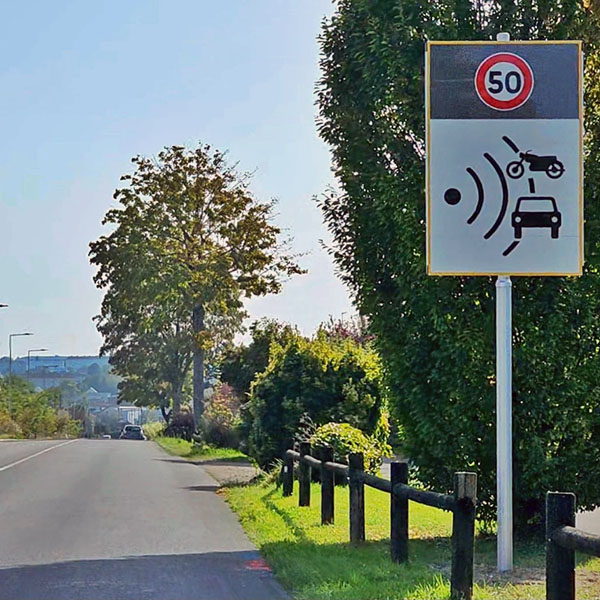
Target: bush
{"type": "Point", "coordinates": [181, 426]}
{"type": "Point", "coordinates": [346, 439]}
{"type": "Point", "coordinates": [221, 418]}
{"type": "Point", "coordinates": [324, 379]}
{"type": "Point", "coordinates": [8, 426]}
{"type": "Point", "coordinates": [153, 430]}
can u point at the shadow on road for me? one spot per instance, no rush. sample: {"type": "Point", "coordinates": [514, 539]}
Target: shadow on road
{"type": "Point", "coordinates": [211, 576]}
{"type": "Point", "coordinates": [202, 488]}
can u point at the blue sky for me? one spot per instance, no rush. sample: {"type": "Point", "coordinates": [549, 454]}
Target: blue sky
{"type": "Point", "coordinates": [86, 86]}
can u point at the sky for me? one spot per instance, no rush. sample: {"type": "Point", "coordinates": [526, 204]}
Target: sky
{"type": "Point", "coordinates": [86, 86]}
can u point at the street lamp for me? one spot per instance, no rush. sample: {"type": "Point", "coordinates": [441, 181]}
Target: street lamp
{"type": "Point", "coordinates": [10, 337]}
{"type": "Point", "coordinates": [29, 356]}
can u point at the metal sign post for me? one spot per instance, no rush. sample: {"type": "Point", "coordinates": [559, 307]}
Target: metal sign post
{"type": "Point", "coordinates": [504, 148]}
{"type": "Point", "coordinates": [504, 489]}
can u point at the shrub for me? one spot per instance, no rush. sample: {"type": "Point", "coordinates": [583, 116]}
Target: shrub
{"type": "Point", "coordinates": [181, 426]}
{"type": "Point", "coordinates": [8, 426]}
{"type": "Point", "coordinates": [346, 440]}
{"type": "Point", "coordinates": [322, 379]}
{"type": "Point", "coordinates": [221, 418]}
{"type": "Point", "coordinates": [153, 430]}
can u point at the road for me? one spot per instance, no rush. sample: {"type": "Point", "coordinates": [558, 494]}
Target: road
{"type": "Point", "coordinates": [112, 519]}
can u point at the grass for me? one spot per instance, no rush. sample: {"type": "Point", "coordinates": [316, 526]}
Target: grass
{"type": "Point", "coordinates": [316, 562]}
{"type": "Point", "coordinates": [191, 451]}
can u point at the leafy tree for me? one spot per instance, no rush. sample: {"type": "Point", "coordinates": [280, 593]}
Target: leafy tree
{"type": "Point", "coordinates": [189, 242]}
{"type": "Point", "coordinates": [317, 381]}
{"type": "Point", "coordinates": [154, 364]}
{"type": "Point", "coordinates": [241, 364]}
{"type": "Point", "coordinates": [435, 335]}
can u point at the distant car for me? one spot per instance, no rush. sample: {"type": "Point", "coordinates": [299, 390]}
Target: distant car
{"type": "Point", "coordinates": [536, 211]}
{"type": "Point", "coordinates": [132, 432]}
{"type": "Point", "coordinates": [106, 436]}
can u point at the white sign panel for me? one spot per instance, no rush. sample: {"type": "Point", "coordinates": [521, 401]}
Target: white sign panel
{"type": "Point", "coordinates": [504, 158]}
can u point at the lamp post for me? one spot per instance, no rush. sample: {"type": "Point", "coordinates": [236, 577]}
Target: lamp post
{"type": "Point", "coordinates": [29, 356]}
{"type": "Point", "coordinates": [10, 337]}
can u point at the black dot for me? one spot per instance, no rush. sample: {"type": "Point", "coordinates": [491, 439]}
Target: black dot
{"type": "Point", "coordinates": [452, 196]}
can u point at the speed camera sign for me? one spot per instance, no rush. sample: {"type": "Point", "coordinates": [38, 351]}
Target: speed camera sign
{"type": "Point", "coordinates": [504, 158]}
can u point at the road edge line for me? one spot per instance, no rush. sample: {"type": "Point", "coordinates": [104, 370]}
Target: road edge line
{"type": "Point", "coordinates": [22, 460]}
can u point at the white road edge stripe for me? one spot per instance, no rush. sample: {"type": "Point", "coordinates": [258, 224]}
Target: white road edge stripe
{"type": "Point", "coordinates": [18, 462]}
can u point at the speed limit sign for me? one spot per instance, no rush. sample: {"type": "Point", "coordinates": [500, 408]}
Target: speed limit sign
{"type": "Point", "coordinates": [504, 81]}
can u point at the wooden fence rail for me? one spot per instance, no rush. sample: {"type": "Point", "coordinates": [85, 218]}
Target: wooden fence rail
{"type": "Point", "coordinates": [461, 503]}
{"type": "Point", "coordinates": [562, 540]}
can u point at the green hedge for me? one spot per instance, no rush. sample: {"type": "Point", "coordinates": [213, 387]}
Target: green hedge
{"type": "Point", "coordinates": [346, 440]}
{"type": "Point", "coordinates": [313, 381]}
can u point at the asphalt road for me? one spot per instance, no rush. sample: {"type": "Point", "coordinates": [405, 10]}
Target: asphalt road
{"type": "Point", "coordinates": [111, 519]}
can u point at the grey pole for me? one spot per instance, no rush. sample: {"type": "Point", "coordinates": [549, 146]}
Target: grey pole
{"type": "Point", "coordinates": [504, 422]}
{"type": "Point", "coordinates": [10, 337]}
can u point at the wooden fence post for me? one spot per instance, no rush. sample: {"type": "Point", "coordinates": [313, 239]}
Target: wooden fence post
{"type": "Point", "coordinates": [399, 514]}
{"type": "Point", "coordinates": [357, 497]}
{"type": "Point", "coordinates": [287, 475]}
{"type": "Point", "coordinates": [560, 562]}
{"type": "Point", "coordinates": [463, 536]}
{"type": "Point", "coordinates": [304, 476]}
{"type": "Point", "coordinates": [327, 486]}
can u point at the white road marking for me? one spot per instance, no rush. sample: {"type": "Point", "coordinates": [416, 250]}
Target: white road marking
{"type": "Point", "coordinates": [18, 462]}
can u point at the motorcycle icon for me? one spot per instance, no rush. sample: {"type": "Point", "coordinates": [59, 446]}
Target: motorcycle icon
{"type": "Point", "coordinates": [548, 164]}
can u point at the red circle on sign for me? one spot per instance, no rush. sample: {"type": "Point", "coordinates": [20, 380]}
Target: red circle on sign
{"type": "Point", "coordinates": [481, 77]}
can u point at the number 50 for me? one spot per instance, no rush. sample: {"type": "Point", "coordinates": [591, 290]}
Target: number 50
{"type": "Point", "coordinates": [512, 82]}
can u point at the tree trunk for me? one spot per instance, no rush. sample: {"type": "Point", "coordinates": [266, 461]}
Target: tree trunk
{"type": "Point", "coordinates": [177, 399]}
{"type": "Point", "coordinates": [198, 379]}
{"type": "Point", "coordinates": [166, 415]}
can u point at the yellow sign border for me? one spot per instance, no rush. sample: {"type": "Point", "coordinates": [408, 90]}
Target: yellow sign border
{"type": "Point", "coordinates": [430, 43]}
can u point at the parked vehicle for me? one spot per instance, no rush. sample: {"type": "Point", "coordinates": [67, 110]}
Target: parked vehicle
{"type": "Point", "coordinates": [132, 432]}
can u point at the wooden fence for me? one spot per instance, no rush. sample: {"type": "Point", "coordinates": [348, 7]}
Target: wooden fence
{"type": "Point", "coordinates": [562, 540]}
{"type": "Point", "coordinates": [461, 504]}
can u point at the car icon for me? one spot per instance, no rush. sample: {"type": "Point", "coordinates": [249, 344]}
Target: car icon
{"type": "Point", "coordinates": [536, 211]}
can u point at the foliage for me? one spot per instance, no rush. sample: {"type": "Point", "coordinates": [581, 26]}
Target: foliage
{"type": "Point", "coordinates": [323, 379]}
{"type": "Point", "coordinates": [435, 335]}
{"type": "Point", "coordinates": [189, 242]}
{"type": "Point", "coordinates": [346, 439]}
{"type": "Point", "coordinates": [29, 414]}
{"type": "Point", "coordinates": [222, 417]}
{"type": "Point", "coordinates": [355, 328]}
{"type": "Point", "coordinates": [8, 426]}
{"type": "Point", "coordinates": [153, 430]}
{"type": "Point", "coordinates": [241, 364]}
{"type": "Point", "coordinates": [181, 425]}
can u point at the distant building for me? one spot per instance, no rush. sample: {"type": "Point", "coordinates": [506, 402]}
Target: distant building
{"type": "Point", "coordinates": [54, 364]}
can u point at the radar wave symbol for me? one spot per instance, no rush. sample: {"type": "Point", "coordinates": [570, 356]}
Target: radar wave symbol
{"type": "Point", "coordinates": [452, 196]}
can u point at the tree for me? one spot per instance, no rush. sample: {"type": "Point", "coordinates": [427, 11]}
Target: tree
{"type": "Point", "coordinates": [241, 364]}
{"type": "Point", "coordinates": [190, 242]}
{"type": "Point", "coordinates": [435, 335]}
{"type": "Point", "coordinates": [153, 362]}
